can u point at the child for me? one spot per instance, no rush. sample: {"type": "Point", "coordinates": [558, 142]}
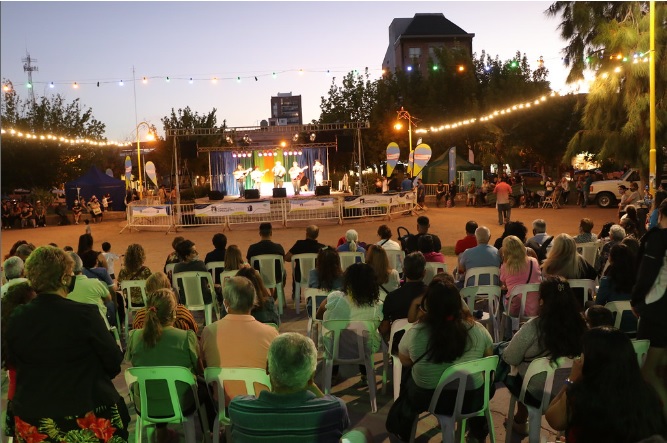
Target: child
{"type": "Point", "coordinates": [111, 258]}
{"type": "Point", "coordinates": [88, 230]}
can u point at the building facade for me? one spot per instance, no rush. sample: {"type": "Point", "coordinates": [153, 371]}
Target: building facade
{"type": "Point", "coordinates": [286, 110]}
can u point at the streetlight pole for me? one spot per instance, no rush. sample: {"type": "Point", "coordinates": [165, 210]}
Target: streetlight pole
{"type": "Point", "coordinates": [403, 114]}
{"type": "Point", "coordinates": [141, 186]}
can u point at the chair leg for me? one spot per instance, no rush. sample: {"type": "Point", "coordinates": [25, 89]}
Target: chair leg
{"type": "Point", "coordinates": [448, 429]}
{"type": "Point", "coordinates": [208, 314]}
{"type": "Point", "coordinates": [489, 421]}
{"type": "Point", "coordinates": [534, 425]}
{"type": "Point", "coordinates": [510, 420]}
{"type": "Point", "coordinates": [385, 366]}
{"type": "Point", "coordinates": [372, 386]}
{"type": "Point", "coordinates": [297, 297]}
{"type": "Point", "coordinates": [189, 430]}
{"type": "Point", "coordinates": [216, 430]}
{"type": "Point", "coordinates": [281, 297]}
{"type": "Point", "coordinates": [413, 433]}
{"type": "Point", "coordinates": [396, 379]}
{"type": "Point", "coordinates": [328, 373]}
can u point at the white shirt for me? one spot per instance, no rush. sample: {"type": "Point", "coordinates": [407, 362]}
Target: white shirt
{"type": "Point", "coordinates": [389, 245]}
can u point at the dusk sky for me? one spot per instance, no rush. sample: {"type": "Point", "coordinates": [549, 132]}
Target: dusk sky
{"type": "Point", "coordinates": [87, 42]}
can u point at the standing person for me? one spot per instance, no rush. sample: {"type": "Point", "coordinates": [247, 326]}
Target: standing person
{"type": "Point", "coordinates": [256, 177]}
{"type": "Point", "coordinates": [406, 184]}
{"type": "Point", "coordinates": [111, 259]}
{"type": "Point", "coordinates": [503, 191]}
{"type": "Point", "coordinates": [295, 176]}
{"type": "Point", "coordinates": [278, 175]}
{"type": "Point", "coordinates": [471, 190]}
{"type": "Point", "coordinates": [586, 187]}
{"type": "Point", "coordinates": [173, 196]}
{"type": "Point", "coordinates": [453, 190]}
{"type": "Point", "coordinates": [565, 185]}
{"type": "Point", "coordinates": [439, 193]}
{"type": "Point", "coordinates": [65, 359]}
{"type": "Point", "coordinates": [239, 176]}
{"type": "Point", "coordinates": [421, 193]}
{"type": "Point", "coordinates": [318, 170]}
{"type": "Point", "coordinates": [162, 194]}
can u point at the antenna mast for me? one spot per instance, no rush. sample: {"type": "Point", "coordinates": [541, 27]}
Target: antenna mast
{"type": "Point", "coordinates": [29, 68]}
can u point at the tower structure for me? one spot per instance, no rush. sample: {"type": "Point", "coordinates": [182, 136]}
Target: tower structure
{"type": "Point", "coordinates": [29, 68]}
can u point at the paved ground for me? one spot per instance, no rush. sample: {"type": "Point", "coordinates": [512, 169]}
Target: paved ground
{"type": "Point", "coordinates": [447, 223]}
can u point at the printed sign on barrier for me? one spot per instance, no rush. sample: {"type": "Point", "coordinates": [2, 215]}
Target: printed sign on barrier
{"type": "Point", "coordinates": [369, 201]}
{"type": "Point", "coordinates": [220, 209]}
{"type": "Point", "coordinates": [303, 205]}
{"type": "Point", "coordinates": [150, 211]}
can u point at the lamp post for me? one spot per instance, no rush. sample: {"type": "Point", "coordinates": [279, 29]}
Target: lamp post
{"type": "Point", "coordinates": [150, 137]}
{"type": "Point", "coordinates": [403, 114]}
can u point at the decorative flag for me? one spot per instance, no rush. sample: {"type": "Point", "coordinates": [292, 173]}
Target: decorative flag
{"type": "Point", "coordinates": [422, 155]}
{"type": "Point", "coordinates": [393, 153]}
{"type": "Point", "coordinates": [150, 172]}
{"type": "Point", "coordinates": [452, 163]}
{"type": "Point", "coordinates": [109, 172]}
{"type": "Point", "coordinates": [128, 172]}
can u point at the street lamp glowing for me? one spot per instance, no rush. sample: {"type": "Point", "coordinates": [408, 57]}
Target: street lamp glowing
{"type": "Point", "coordinates": [403, 114]}
{"type": "Point", "coordinates": [398, 126]}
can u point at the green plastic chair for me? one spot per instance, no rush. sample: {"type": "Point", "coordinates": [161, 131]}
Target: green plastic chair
{"type": "Point", "coordinates": [641, 349]}
{"type": "Point", "coordinates": [215, 268]}
{"type": "Point", "coordinates": [218, 376]}
{"type": "Point", "coordinates": [171, 375]}
{"type": "Point", "coordinates": [460, 372]}
{"type": "Point", "coordinates": [126, 289]}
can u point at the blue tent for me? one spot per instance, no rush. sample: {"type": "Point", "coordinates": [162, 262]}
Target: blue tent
{"type": "Point", "coordinates": [97, 183]}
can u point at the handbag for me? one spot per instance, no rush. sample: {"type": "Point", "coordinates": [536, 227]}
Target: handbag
{"type": "Point", "coordinates": [400, 415]}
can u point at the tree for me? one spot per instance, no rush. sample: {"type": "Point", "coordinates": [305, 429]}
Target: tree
{"type": "Point", "coordinates": [615, 118]}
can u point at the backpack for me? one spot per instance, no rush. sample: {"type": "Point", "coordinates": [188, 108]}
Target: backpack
{"type": "Point", "coordinates": [540, 250]}
{"type": "Point", "coordinates": [408, 241]}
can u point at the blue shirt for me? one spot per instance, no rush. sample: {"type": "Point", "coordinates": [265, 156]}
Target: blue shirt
{"type": "Point", "coordinates": [479, 256]}
{"type": "Point", "coordinates": [406, 185]}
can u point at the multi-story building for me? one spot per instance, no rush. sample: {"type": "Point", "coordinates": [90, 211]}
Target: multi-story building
{"type": "Point", "coordinates": [414, 41]}
{"type": "Point", "coordinates": [286, 110]}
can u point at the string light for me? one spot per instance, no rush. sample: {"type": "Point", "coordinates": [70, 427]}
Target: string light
{"type": "Point", "coordinates": [145, 80]}
{"type": "Point", "coordinates": [75, 85]}
{"type": "Point", "coordinates": [55, 138]}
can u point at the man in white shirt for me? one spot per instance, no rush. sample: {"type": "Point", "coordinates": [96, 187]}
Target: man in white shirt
{"type": "Point", "coordinates": [13, 268]}
{"type": "Point", "coordinates": [278, 175]}
{"type": "Point", "coordinates": [92, 291]}
{"type": "Point", "coordinates": [294, 172]}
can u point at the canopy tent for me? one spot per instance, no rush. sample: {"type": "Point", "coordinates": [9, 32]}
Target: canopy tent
{"type": "Point", "coordinates": [438, 168]}
{"type": "Point", "coordinates": [97, 183]}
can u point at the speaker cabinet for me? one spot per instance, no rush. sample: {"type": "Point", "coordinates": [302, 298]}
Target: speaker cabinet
{"type": "Point", "coordinates": [216, 195]}
{"type": "Point", "coordinates": [251, 193]}
{"type": "Point", "coordinates": [188, 149]}
{"type": "Point", "coordinates": [322, 190]}
{"type": "Point", "coordinates": [279, 192]}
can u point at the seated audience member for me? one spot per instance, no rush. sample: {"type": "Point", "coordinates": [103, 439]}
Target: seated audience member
{"type": "Point", "coordinates": [159, 343]}
{"type": "Point", "coordinates": [566, 262]}
{"type": "Point", "coordinates": [15, 246]}
{"type": "Point", "coordinates": [585, 235]}
{"type": "Point", "coordinates": [446, 334]}
{"type": "Point", "coordinates": [469, 241]}
{"type": "Point", "coordinates": [606, 380]}
{"type": "Point", "coordinates": [87, 254]}
{"type": "Point", "coordinates": [479, 256]}
{"type": "Point", "coordinates": [190, 261]}
{"type": "Point", "coordinates": [423, 225]}
{"type": "Point", "coordinates": [225, 342]}
{"type": "Point", "coordinates": [134, 269]}
{"type": "Point", "coordinates": [219, 245]}
{"type": "Point", "coordinates": [184, 319]}
{"type": "Point", "coordinates": [655, 205]}
{"type": "Point", "coordinates": [519, 269]}
{"type": "Point", "coordinates": [351, 243]}
{"type": "Point", "coordinates": [111, 259]}
{"type": "Point", "coordinates": [616, 236]}
{"type": "Point", "coordinates": [92, 291]}
{"type": "Point", "coordinates": [309, 245]}
{"type": "Point", "coordinates": [555, 332]}
{"type": "Point", "coordinates": [13, 268]}
{"type": "Point", "coordinates": [539, 232]}
{"type": "Point", "coordinates": [516, 228]}
{"type": "Point", "coordinates": [597, 315]}
{"type": "Point", "coordinates": [632, 236]}
{"type": "Point", "coordinates": [234, 258]}
{"type": "Point", "coordinates": [384, 232]}
{"type": "Point", "coordinates": [265, 245]}
{"type": "Point", "coordinates": [24, 251]}
{"type": "Point", "coordinates": [387, 277]}
{"type": "Point", "coordinates": [617, 282]}
{"type": "Point", "coordinates": [295, 405]}
{"type": "Point", "coordinates": [328, 274]}
{"type": "Point", "coordinates": [397, 303]}
{"type": "Point", "coordinates": [427, 248]}
{"type": "Point", "coordinates": [264, 307]}
{"type": "Point", "coordinates": [173, 257]}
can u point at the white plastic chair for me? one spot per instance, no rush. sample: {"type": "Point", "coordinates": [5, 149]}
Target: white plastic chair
{"type": "Point", "coordinates": [491, 294]}
{"type": "Point", "coordinates": [191, 282]}
{"type": "Point", "coordinates": [401, 324]}
{"type": "Point", "coordinates": [618, 308]}
{"type": "Point", "coordinates": [348, 258]}
{"type": "Point", "coordinates": [219, 375]}
{"type": "Point", "coordinates": [215, 267]}
{"type": "Point", "coordinates": [266, 265]}
{"type": "Point", "coordinates": [589, 251]}
{"type": "Point", "coordinates": [126, 289]}
{"type": "Point", "coordinates": [472, 277]}
{"type": "Point", "coordinates": [460, 372]}
{"type": "Point", "coordinates": [396, 259]}
{"type": "Point", "coordinates": [169, 270]}
{"type": "Point", "coordinates": [171, 375]}
{"type": "Point", "coordinates": [305, 263]}
{"type": "Point", "coordinates": [314, 295]}
{"type": "Point", "coordinates": [433, 268]}
{"type": "Point", "coordinates": [588, 286]}
{"type": "Point", "coordinates": [538, 366]}
{"type": "Point", "coordinates": [641, 349]}
{"type": "Point", "coordinates": [524, 291]}
{"type": "Point", "coordinates": [362, 329]}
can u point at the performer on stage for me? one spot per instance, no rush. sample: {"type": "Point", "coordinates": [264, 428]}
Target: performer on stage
{"type": "Point", "coordinates": [256, 177]}
{"type": "Point", "coordinates": [240, 175]}
{"type": "Point", "coordinates": [296, 174]}
{"type": "Point", "coordinates": [318, 169]}
{"type": "Point", "coordinates": [278, 175]}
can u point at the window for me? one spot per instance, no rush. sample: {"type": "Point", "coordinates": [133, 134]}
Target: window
{"type": "Point", "coordinates": [414, 52]}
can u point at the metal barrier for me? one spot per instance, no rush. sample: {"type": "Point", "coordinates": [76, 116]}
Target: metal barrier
{"type": "Point", "coordinates": [317, 208]}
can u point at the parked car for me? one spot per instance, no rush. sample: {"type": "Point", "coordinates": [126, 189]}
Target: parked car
{"type": "Point", "coordinates": [605, 192]}
{"type": "Point", "coordinates": [531, 178]}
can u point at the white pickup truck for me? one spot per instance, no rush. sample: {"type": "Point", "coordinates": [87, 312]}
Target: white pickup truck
{"type": "Point", "coordinates": [605, 192]}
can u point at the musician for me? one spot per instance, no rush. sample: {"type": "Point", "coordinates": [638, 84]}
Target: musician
{"type": "Point", "coordinates": [240, 175]}
{"type": "Point", "coordinates": [296, 174]}
{"type": "Point", "coordinates": [318, 169]}
{"type": "Point", "coordinates": [278, 175]}
{"type": "Point", "coordinates": [256, 177]}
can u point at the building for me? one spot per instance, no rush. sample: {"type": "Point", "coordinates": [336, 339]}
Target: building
{"type": "Point", "coordinates": [286, 110]}
{"type": "Point", "coordinates": [413, 41]}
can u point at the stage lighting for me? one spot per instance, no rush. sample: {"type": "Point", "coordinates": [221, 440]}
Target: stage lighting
{"type": "Point", "coordinates": [312, 137]}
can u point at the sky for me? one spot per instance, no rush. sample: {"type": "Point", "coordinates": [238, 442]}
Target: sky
{"type": "Point", "coordinates": [90, 42]}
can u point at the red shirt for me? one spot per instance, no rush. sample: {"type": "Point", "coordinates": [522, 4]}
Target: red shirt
{"type": "Point", "coordinates": [469, 241]}
{"type": "Point", "coordinates": [503, 191]}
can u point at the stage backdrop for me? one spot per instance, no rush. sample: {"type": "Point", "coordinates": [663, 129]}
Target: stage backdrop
{"type": "Point", "coordinates": [223, 166]}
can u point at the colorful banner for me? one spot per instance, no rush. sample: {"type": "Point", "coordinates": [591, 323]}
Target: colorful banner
{"type": "Point", "coordinates": [422, 155]}
{"type": "Point", "coordinates": [229, 208]}
{"type": "Point", "coordinates": [393, 154]}
{"type": "Point", "coordinates": [304, 205]}
{"type": "Point", "coordinates": [128, 172]}
{"type": "Point", "coordinates": [149, 211]}
{"type": "Point", "coordinates": [411, 162]}
{"type": "Point", "coordinates": [452, 164]}
{"type": "Point", "coordinates": [378, 200]}
{"type": "Point", "coordinates": [151, 172]}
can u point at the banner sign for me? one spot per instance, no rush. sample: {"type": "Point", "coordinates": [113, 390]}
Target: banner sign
{"type": "Point", "coordinates": [422, 155]}
{"type": "Point", "coordinates": [411, 162]}
{"type": "Point", "coordinates": [304, 205]}
{"type": "Point", "coordinates": [150, 211]}
{"type": "Point", "coordinates": [452, 164]}
{"type": "Point", "coordinates": [151, 173]}
{"type": "Point", "coordinates": [393, 154]}
{"type": "Point", "coordinates": [230, 208]}
{"type": "Point", "coordinates": [128, 171]}
{"type": "Point", "coordinates": [378, 200]}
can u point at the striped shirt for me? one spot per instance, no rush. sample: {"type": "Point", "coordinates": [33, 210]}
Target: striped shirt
{"type": "Point", "coordinates": [184, 319]}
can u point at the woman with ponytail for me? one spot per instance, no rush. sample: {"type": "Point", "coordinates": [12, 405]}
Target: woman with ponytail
{"type": "Point", "coordinates": [351, 243]}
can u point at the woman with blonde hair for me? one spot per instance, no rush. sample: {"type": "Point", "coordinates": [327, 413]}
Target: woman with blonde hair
{"type": "Point", "coordinates": [233, 258]}
{"type": "Point", "coordinates": [518, 269]}
{"type": "Point", "coordinates": [387, 278]}
{"type": "Point", "coordinates": [184, 319]}
{"type": "Point", "coordinates": [563, 260]}
{"type": "Point", "coordinates": [134, 269]}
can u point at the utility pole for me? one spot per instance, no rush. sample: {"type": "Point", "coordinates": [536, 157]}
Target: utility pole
{"type": "Point", "coordinates": [29, 68]}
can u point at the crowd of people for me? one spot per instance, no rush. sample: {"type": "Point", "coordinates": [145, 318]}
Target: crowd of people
{"type": "Point", "coordinates": [60, 306]}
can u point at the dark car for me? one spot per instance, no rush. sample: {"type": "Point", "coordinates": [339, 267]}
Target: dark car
{"type": "Point", "coordinates": [531, 178]}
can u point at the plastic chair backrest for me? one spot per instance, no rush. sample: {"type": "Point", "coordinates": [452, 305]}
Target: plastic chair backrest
{"type": "Point", "coordinates": [489, 292]}
{"type": "Point", "coordinates": [250, 376]}
{"type": "Point", "coordinates": [589, 251]}
{"type": "Point", "coordinates": [348, 258]}
{"type": "Point", "coordinates": [169, 269]}
{"type": "Point", "coordinates": [588, 286]}
{"type": "Point", "coordinates": [472, 277]}
{"type": "Point", "coordinates": [402, 324]}
{"type": "Point", "coordinates": [215, 268]}
{"type": "Point", "coordinates": [461, 372]}
{"type": "Point", "coordinates": [539, 366]}
{"type": "Point", "coordinates": [617, 309]}
{"type": "Point", "coordinates": [126, 288]}
{"type": "Point", "coordinates": [641, 349]}
{"type": "Point", "coordinates": [170, 374]}
{"type": "Point", "coordinates": [191, 282]}
{"type": "Point", "coordinates": [266, 265]}
{"type": "Point", "coordinates": [305, 262]}
{"type": "Point", "coordinates": [396, 259]}
{"type": "Point", "coordinates": [316, 296]}
{"type": "Point", "coordinates": [523, 291]}
{"type": "Point", "coordinates": [362, 330]}
{"type": "Point", "coordinates": [226, 275]}
{"type": "Point", "coordinates": [433, 268]}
